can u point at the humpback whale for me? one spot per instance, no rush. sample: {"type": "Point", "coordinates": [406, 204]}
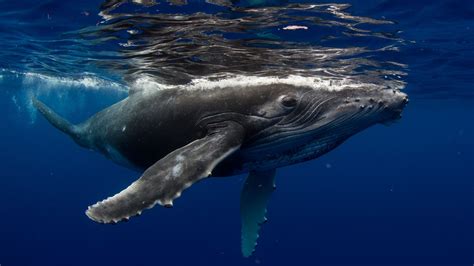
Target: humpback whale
{"type": "Point", "coordinates": [179, 136]}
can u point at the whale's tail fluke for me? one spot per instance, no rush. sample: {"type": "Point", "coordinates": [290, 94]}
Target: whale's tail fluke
{"type": "Point", "coordinates": [60, 123]}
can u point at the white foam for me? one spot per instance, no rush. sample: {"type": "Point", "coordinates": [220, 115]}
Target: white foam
{"type": "Point", "coordinates": [87, 81]}
{"type": "Point", "coordinates": [148, 83]}
{"type": "Point", "coordinates": [37, 85]}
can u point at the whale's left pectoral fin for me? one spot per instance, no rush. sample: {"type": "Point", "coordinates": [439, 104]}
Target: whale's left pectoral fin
{"type": "Point", "coordinates": [166, 179]}
{"type": "Point", "coordinates": [253, 207]}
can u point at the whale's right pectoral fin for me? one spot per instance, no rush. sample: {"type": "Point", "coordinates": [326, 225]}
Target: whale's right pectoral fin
{"type": "Point", "coordinates": [166, 179]}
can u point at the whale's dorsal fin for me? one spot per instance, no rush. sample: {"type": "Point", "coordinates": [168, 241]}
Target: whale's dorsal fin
{"type": "Point", "coordinates": [166, 179]}
{"type": "Point", "coordinates": [253, 206]}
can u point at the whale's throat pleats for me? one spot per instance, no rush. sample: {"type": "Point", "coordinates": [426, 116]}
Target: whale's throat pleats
{"type": "Point", "coordinates": [167, 178]}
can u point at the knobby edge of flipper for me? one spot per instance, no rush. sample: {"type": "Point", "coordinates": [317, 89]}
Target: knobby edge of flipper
{"type": "Point", "coordinates": [254, 198]}
{"type": "Point", "coordinates": [165, 180]}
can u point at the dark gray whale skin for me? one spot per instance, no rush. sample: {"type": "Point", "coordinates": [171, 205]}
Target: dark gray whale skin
{"type": "Point", "coordinates": [180, 136]}
{"type": "Point", "coordinates": [149, 125]}
{"type": "Point", "coordinates": [146, 126]}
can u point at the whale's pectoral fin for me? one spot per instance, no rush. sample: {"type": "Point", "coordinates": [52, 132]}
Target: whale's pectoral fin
{"type": "Point", "coordinates": [166, 179]}
{"type": "Point", "coordinates": [253, 206]}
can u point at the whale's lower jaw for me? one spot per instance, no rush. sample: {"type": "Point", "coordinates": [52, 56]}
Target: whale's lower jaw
{"type": "Point", "coordinates": [246, 161]}
{"type": "Point", "coordinates": [309, 151]}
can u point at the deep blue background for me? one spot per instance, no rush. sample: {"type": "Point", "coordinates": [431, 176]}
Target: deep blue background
{"type": "Point", "coordinates": [397, 195]}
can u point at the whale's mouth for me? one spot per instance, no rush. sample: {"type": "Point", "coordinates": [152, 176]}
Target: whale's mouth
{"type": "Point", "coordinates": [395, 107]}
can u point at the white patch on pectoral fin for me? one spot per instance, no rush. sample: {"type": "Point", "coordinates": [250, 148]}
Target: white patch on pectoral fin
{"type": "Point", "coordinates": [166, 179]}
{"type": "Point", "coordinates": [253, 207]}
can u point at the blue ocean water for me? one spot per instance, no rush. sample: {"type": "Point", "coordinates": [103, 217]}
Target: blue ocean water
{"type": "Point", "coordinates": [392, 195]}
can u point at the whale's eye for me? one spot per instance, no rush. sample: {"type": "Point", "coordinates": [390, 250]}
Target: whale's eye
{"type": "Point", "coordinates": [288, 101]}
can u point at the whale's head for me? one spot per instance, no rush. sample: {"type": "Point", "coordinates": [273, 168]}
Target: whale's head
{"type": "Point", "coordinates": [326, 113]}
{"type": "Point", "coordinates": [318, 120]}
